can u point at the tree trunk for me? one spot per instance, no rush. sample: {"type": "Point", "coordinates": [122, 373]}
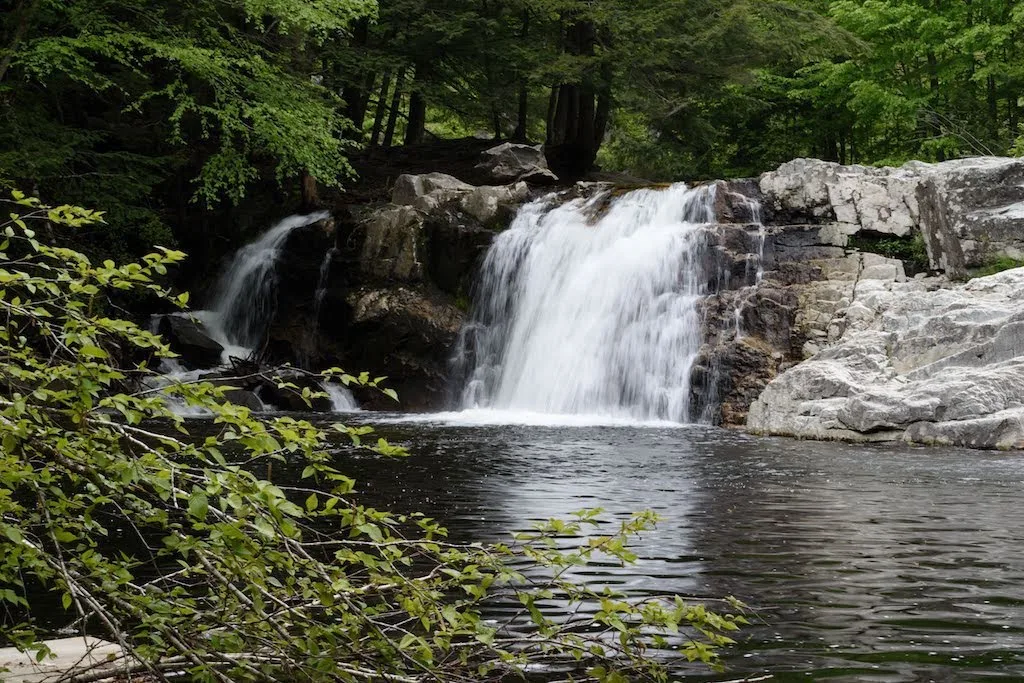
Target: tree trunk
{"type": "Point", "coordinates": [25, 15]}
{"type": "Point", "coordinates": [602, 116]}
{"type": "Point", "coordinates": [559, 128]}
{"type": "Point", "coordinates": [417, 125]}
{"type": "Point", "coordinates": [378, 119]}
{"type": "Point", "coordinates": [310, 194]}
{"type": "Point", "coordinates": [356, 94]}
{"type": "Point", "coordinates": [993, 108]}
{"type": "Point", "coordinates": [582, 109]}
{"type": "Point", "coordinates": [933, 82]}
{"type": "Point", "coordinates": [549, 121]}
{"type": "Point", "coordinates": [1012, 116]}
{"type": "Point", "coordinates": [521, 132]}
{"type": "Point", "coordinates": [396, 104]}
{"type": "Point", "coordinates": [357, 99]}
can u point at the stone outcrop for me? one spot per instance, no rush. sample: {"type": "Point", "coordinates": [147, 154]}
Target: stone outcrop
{"type": "Point", "coordinates": [916, 361]}
{"type": "Point", "coordinates": [804, 334]}
{"type": "Point", "coordinates": [969, 212]}
{"type": "Point", "coordinates": [398, 277]}
{"type": "Point", "coordinates": [189, 338]}
{"type": "Point", "coordinates": [405, 335]}
{"type": "Point", "coordinates": [510, 162]}
{"type": "Point", "coordinates": [871, 354]}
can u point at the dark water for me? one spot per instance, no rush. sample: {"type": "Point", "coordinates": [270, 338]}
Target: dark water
{"type": "Point", "coordinates": [864, 563]}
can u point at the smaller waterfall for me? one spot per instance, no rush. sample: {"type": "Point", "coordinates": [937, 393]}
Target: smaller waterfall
{"type": "Point", "coordinates": [342, 400]}
{"type": "Point", "coordinates": [245, 295]}
{"type": "Point", "coordinates": [318, 302]}
{"type": "Point", "coordinates": [321, 287]}
{"type": "Point", "coordinates": [755, 262]}
{"type": "Point", "coordinates": [243, 306]}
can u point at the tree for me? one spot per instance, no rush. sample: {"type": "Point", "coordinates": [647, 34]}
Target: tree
{"type": "Point", "coordinates": [143, 106]}
{"type": "Point", "coordinates": [171, 545]}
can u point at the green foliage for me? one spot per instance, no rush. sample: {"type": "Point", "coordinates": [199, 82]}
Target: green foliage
{"type": "Point", "coordinates": [911, 249]}
{"type": "Point", "coordinates": [997, 266]}
{"type": "Point", "coordinates": [141, 106]}
{"type": "Point", "coordinates": [169, 544]}
{"type": "Point", "coordinates": [908, 79]}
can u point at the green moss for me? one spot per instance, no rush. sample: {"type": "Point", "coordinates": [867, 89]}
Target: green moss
{"type": "Point", "coordinates": [463, 302]}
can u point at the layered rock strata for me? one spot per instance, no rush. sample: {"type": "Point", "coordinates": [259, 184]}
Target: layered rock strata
{"type": "Point", "coordinates": [881, 357]}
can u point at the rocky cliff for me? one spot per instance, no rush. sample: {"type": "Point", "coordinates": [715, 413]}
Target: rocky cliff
{"type": "Point", "coordinates": [837, 305]}
{"type": "Point", "coordinates": [878, 356]}
{"type": "Point", "coordinates": [397, 280]}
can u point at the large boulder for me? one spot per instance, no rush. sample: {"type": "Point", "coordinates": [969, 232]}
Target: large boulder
{"type": "Point", "coordinates": [920, 361]}
{"type": "Point", "coordinates": [190, 339]}
{"type": "Point", "coordinates": [511, 162]}
{"type": "Point", "coordinates": [428, 191]}
{"type": "Point", "coordinates": [405, 334]}
{"type": "Point", "coordinates": [433, 192]}
{"type": "Point", "coordinates": [392, 248]}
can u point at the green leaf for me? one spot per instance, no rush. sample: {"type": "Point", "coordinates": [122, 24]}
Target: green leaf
{"type": "Point", "coordinates": [198, 505]}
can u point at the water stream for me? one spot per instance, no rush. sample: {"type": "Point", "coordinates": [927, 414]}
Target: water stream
{"type": "Point", "coordinates": [589, 308]}
{"type": "Point", "coordinates": [863, 563]}
{"type": "Point", "coordinates": [245, 295]}
{"type": "Point", "coordinates": [244, 302]}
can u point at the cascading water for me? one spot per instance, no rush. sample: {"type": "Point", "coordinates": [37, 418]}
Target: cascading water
{"type": "Point", "coordinates": [578, 315]}
{"type": "Point", "coordinates": [755, 262]}
{"type": "Point", "coordinates": [244, 302]}
{"type": "Point", "coordinates": [244, 297]}
{"type": "Point", "coordinates": [321, 292]}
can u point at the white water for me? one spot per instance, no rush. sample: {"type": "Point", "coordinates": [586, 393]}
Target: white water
{"type": "Point", "coordinates": [757, 260]}
{"type": "Point", "coordinates": [318, 298]}
{"type": "Point", "coordinates": [342, 400]}
{"type": "Point", "coordinates": [243, 305]}
{"type": "Point", "coordinates": [591, 317]}
{"type": "Point", "coordinates": [485, 417]}
{"type": "Point", "coordinates": [245, 295]}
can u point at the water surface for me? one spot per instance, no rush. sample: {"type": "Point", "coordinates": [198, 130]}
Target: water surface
{"type": "Point", "coordinates": [864, 563]}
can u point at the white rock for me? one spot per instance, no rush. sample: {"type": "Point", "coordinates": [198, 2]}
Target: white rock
{"type": "Point", "coordinates": [969, 211]}
{"type": "Point", "coordinates": [71, 655]}
{"type": "Point", "coordinates": [912, 362]}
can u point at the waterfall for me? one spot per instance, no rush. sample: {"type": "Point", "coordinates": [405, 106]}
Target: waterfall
{"type": "Point", "coordinates": [318, 301]}
{"type": "Point", "coordinates": [757, 259]}
{"type": "Point", "coordinates": [591, 308]}
{"type": "Point", "coordinates": [342, 400]}
{"type": "Point", "coordinates": [245, 294]}
{"type": "Point", "coordinates": [243, 306]}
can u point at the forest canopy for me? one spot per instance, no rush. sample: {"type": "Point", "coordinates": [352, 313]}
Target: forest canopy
{"type": "Point", "coordinates": [157, 110]}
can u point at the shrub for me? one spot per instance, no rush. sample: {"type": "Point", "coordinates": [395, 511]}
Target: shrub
{"type": "Point", "coordinates": [997, 266]}
{"type": "Point", "coordinates": [170, 545]}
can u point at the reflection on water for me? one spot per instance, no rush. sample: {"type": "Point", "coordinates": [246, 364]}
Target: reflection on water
{"type": "Point", "coordinates": [865, 563]}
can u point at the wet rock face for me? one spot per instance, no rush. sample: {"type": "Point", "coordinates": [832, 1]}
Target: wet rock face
{"type": "Point", "coordinates": [395, 276]}
{"type": "Point", "coordinates": [405, 335]}
{"type": "Point", "coordinates": [189, 339]}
